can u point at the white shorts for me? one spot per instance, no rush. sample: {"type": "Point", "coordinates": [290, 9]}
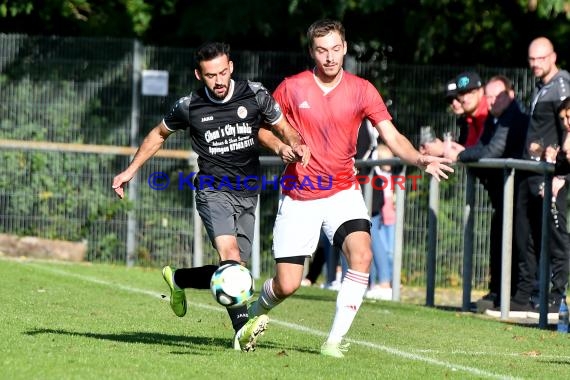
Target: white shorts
{"type": "Point", "coordinates": [298, 223]}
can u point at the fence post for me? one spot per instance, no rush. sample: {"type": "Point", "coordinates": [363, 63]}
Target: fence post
{"type": "Point", "coordinates": [432, 241]}
{"type": "Point", "coordinates": [133, 184]}
{"type": "Point", "coordinates": [197, 244]}
{"type": "Point", "coordinates": [367, 190]}
{"type": "Point", "coordinates": [507, 252]}
{"type": "Point", "coordinates": [398, 239]}
{"type": "Point", "coordinates": [468, 218]}
{"type": "Point", "coordinates": [544, 261]}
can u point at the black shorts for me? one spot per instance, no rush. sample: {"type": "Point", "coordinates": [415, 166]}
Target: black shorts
{"type": "Point", "coordinates": [225, 213]}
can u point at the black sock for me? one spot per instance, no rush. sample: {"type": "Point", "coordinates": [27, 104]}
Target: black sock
{"type": "Point", "coordinates": [197, 278]}
{"type": "Point", "coordinates": [238, 315]}
{"type": "Point", "coordinates": [228, 262]}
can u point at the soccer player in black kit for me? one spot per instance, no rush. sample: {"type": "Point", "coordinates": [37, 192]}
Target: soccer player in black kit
{"type": "Point", "coordinates": [227, 120]}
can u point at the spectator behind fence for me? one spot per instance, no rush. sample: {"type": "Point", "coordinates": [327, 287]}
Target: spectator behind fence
{"type": "Point", "coordinates": [382, 230]}
{"type": "Point", "coordinates": [471, 97]}
{"type": "Point", "coordinates": [562, 166]}
{"type": "Point", "coordinates": [225, 205]}
{"type": "Point", "coordinates": [452, 100]}
{"type": "Point", "coordinates": [455, 107]}
{"type": "Point", "coordinates": [327, 106]}
{"type": "Point", "coordinates": [503, 137]}
{"type": "Point", "coordinates": [545, 129]}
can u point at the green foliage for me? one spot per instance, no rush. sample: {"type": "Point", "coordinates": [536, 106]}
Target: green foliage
{"type": "Point", "coordinates": [547, 9]}
{"type": "Point", "coordinates": [105, 250]}
{"type": "Point", "coordinates": [56, 185]}
{"type": "Point", "coordinates": [15, 7]}
{"type": "Point", "coordinates": [140, 14]}
{"type": "Point", "coordinates": [424, 31]}
{"type": "Point", "coordinates": [76, 9]}
{"type": "Point", "coordinates": [73, 9]}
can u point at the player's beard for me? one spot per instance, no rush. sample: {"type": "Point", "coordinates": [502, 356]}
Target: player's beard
{"type": "Point", "coordinates": [220, 91]}
{"type": "Point", "coordinates": [539, 72]}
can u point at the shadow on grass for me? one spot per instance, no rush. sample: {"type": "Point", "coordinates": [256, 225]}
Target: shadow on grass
{"type": "Point", "coordinates": [139, 337]}
{"type": "Point", "coordinates": [162, 339]}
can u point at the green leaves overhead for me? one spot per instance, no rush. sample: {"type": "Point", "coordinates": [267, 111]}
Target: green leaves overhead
{"type": "Point", "coordinates": [420, 31]}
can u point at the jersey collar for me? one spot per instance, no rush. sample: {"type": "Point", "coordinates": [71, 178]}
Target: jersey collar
{"type": "Point", "coordinates": [228, 96]}
{"type": "Point", "coordinates": [324, 88]}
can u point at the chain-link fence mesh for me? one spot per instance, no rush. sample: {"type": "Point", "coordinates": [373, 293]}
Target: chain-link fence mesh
{"type": "Point", "coordinates": [80, 90]}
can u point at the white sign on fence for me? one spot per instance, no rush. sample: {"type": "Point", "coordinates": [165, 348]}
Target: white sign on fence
{"type": "Point", "coordinates": [155, 82]}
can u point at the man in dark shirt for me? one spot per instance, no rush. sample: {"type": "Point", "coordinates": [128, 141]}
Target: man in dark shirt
{"type": "Point", "coordinates": [503, 137]}
{"type": "Point", "coordinates": [225, 120]}
{"type": "Point", "coordinates": [552, 87]}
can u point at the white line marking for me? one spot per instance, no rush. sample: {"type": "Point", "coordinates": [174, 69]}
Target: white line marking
{"type": "Point", "coordinates": [294, 326]}
{"type": "Point", "coordinates": [490, 353]}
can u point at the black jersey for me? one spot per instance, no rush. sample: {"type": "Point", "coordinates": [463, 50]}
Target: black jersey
{"type": "Point", "coordinates": [544, 120]}
{"type": "Point", "coordinates": [224, 134]}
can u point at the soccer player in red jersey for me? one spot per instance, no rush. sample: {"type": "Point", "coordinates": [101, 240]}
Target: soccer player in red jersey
{"type": "Point", "coordinates": [326, 106]}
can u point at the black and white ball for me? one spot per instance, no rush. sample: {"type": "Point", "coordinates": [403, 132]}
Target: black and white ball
{"type": "Point", "coordinates": [232, 285]}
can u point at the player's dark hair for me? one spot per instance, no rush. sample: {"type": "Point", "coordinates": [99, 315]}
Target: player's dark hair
{"type": "Point", "coordinates": [323, 27]}
{"type": "Point", "coordinates": [209, 51]}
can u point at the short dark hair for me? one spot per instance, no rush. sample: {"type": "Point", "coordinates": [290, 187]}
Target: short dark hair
{"type": "Point", "coordinates": [564, 105]}
{"type": "Point", "coordinates": [209, 51]}
{"type": "Point", "coordinates": [323, 27]}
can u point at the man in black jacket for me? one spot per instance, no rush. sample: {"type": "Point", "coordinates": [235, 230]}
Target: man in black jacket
{"type": "Point", "coordinates": [552, 88]}
{"type": "Point", "coordinates": [503, 137]}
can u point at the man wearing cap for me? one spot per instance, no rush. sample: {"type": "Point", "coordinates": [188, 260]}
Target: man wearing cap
{"type": "Point", "coordinates": [429, 144]}
{"type": "Point", "coordinates": [467, 101]}
{"type": "Point", "coordinates": [471, 95]}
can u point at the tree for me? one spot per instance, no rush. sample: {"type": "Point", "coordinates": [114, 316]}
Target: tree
{"type": "Point", "coordinates": [547, 8]}
{"type": "Point", "coordinates": [419, 31]}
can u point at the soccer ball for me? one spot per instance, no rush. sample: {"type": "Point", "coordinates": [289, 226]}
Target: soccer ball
{"type": "Point", "coordinates": [232, 285]}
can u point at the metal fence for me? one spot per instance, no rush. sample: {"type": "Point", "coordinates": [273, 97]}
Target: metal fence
{"type": "Point", "coordinates": [87, 91]}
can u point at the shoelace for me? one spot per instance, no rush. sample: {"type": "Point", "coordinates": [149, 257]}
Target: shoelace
{"type": "Point", "coordinates": [343, 347]}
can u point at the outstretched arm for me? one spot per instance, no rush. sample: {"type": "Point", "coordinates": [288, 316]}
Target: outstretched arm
{"type": "Point", "coordinates": [283, 130]}
{"type": "Point", "coordinates": [403, 148]}
{"type": "Point", "coordinates": [150, 145]}
{"type": "Point", "coordinates": [274, 144]}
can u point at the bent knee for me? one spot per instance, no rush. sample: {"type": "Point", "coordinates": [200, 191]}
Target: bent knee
{"type": "Point", "coordinates": [289, 276]}
{"type": "Point", "coordinates": [359, 256]}
{"type": "Point", "coordinates": [284, 290]}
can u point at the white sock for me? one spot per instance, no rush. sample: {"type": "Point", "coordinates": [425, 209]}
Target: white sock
{"type": "Point", "coordinates": [267, 299]}
{"type": "Point", "coordinates": [348, 302]}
